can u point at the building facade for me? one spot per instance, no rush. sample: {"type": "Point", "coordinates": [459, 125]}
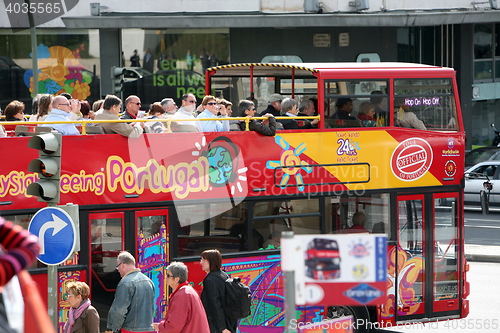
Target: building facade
{"type": "Point", "coordinates": [77, 49]}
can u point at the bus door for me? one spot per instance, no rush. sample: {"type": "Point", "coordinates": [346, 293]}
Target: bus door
{"type": "Point", "coordinates": [407, 261]}
{"type": "Point", "coordinates": [152, 245]}
{"type": "Point", "coordinates": [144, 234]}
{"type": "Point", "coordinates": [446, 256]}
{"type": "Point", "coordinates": [427, 265]}
{"type": "Point", "coordinates": [106, 241]}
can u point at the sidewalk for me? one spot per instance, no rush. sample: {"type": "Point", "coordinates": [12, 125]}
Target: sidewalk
{"type": "Point", "coordinates": [482, 253]}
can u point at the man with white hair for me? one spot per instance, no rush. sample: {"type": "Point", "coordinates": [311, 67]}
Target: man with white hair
{"type": "Point", "coordinates": [169, 106]}
{"type": "Point", "coordinates": [60, 112]}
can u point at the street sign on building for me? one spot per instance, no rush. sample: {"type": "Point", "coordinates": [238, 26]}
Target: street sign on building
{"type": "Point", "coordinates": [56, 233]}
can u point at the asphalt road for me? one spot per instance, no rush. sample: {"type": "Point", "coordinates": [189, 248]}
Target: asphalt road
{"type": "Point", "coordinates": [484, 304]}
{"type": "Point", "coordinates": [482, 229]}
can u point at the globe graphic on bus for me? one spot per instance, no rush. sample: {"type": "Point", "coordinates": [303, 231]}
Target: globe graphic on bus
{"type": "Point", "coordinates": [221, 166]}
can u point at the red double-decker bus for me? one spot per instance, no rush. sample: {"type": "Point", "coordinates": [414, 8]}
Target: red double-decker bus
{"type": "Point", "coordinates": [170, 196]}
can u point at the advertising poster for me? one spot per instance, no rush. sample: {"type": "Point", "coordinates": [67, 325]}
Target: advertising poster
{"type": "Point", "coordinates": [338, 269]}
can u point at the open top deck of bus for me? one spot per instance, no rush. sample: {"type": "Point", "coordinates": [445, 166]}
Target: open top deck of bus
{"type": "Point", "coordinates": [390, 69]}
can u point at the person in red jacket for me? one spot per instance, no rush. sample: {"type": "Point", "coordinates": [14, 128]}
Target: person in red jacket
{"type": "Point", "coordinates": [20, 249]}
{"type": "Point", "coordinates": [185, 311]}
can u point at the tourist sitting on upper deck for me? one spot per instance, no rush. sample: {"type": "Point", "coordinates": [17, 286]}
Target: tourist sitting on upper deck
{"type": "Point", "coordinates": [186, 112]}
{"type": "Point", "coordinates": [267, 127]}
{"type": "Point", "coordinates": [211, 110]}
{"type": "Point", "coordinates": [405, 117]}
{"type": "Point", "coordinates": [61, 110]}
{"type": "Point", "coordinates": [290, 108]}
{"type": "Point", "coordinates": [111, 109]}
{"type": "Point", "coordinates": [366, 114]}
{"type": "Point", "coordinates": [274, 106]}
{"type": "Point", "coordinates": [344, 109]}
{"type": "Point", "coordinates": [44, 105]}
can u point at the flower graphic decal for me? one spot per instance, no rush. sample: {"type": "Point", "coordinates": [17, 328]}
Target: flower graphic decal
{"type": "Point", "coordinates": [405, 271]}
{"type": "Point", "coordinates": [290, 163]}
{"type": "Point", "coordinates": [59, 71]}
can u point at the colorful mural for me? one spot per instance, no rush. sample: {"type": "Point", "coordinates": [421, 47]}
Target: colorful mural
{"type": "Point", "coordinates": [64, 279]}
{"type": "Point", "coordinates": [153, 260]}
{"type": "Point", "coordinates": [404, 270]}
{"type": "Point", "coordinates": [264, 277]}
{"type": "Point", "coordinates": [59, 70]}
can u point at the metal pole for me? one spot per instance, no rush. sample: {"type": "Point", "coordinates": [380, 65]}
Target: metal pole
{"type": "Point", "coordinates": [289, 279]}
{"type": "Point", "coordinates": [52, 294]}
{"type": "Point", "coordinates": [34, 51]}
{"type": "Point", "coordinates": [52, 288]}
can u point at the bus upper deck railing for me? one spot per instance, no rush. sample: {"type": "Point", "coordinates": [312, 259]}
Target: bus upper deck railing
{"type": "Point", "coordinates": [169, 121]}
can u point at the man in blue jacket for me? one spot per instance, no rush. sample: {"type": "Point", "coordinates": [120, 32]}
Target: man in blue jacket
{"type": "Point", "coordinates": [61, 109]}
{"type": "Point", "coordinates": [133, 307]}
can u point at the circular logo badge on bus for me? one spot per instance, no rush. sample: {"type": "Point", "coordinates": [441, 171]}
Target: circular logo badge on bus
{"type": "Point", "coordinates": [411, 159]}
{"type": "Point", "coordinates": [450, 168]}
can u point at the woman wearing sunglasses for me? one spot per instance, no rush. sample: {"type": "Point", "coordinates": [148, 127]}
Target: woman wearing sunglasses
{"type": "Point", "coordinates": [82, 316]}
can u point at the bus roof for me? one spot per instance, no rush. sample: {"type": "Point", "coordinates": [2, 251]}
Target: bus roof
{"type": "Point", "coordinates": [306, 69]}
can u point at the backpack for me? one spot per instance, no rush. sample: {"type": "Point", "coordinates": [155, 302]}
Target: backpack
{"type": "Point", "coordinates": [238, 299]}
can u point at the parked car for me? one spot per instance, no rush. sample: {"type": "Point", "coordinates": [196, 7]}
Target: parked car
{"type": "Point", "coordinates": [476, 176]}
{"type": "Point", "coordinates": [482, 154]}
{"type": "Point", "coordinates": [134, 73]}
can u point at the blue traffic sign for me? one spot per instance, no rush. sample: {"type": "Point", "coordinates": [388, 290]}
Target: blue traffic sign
{"type": "Point", "coordinates": [56, 234]}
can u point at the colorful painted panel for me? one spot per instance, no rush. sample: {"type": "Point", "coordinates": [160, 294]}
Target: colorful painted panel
{"type": "Point", "coordinates": [153, 260]}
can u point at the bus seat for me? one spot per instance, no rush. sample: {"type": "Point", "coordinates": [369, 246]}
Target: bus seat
{"type": "Point", "coordinates": [95, 130]}
{"type": "Point", "coordinates": [184, 128]}
{"type": "Point", "coordinates": [343, 123]}
{"type": "Point", "coordinates": [24, 130]}
{"type": "Point", "coordinates": [279, 126]}
{"type": "Point", "coordinates": [43, 129]}
{"type": "Point", "coordinates": [234, 127]}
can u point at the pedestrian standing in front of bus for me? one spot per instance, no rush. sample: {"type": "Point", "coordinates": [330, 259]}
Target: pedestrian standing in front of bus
{"type": "Point", "coordinates": [82, 316]}
{"type": "Point", "coordinates": [213, 294]}
{"type": "Point", "coordinates": [185, 311]}
{"type": "Point", "coordinates": [133, 307]}
{"type": "Point", "coordinates": [20, 249]}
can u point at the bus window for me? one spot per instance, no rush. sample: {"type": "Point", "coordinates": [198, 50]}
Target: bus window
{"type": "Point", "coordinates": [375, 207]}
{"type": "Point", "coordinates": [150, 225]}
{"type": "Point", "coordinates": [300, 216]}
{"type": "Point", "coordinates": [362, 95]}
{"type": "Point", "coordinates": [425, 104]}
{"type": "Point", "coordinates": [411, 243]}
{"type": "Point", "coordinates": [445, 249]}
{"type": "Point", "coordinates": [201, 229]}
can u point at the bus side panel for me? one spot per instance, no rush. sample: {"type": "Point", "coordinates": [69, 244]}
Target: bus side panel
{"type": "Point", "coordinates": [264, 277]}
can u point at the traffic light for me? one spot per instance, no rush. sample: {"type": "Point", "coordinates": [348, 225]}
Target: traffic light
{"type": "Point", "coordinates": [47, 165]}
{"type": "Point", "coordinates": [117, 78]}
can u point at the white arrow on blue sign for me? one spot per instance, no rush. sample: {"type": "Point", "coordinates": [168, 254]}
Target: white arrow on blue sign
{"type": "Point", "coordinates": [56, 233]}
